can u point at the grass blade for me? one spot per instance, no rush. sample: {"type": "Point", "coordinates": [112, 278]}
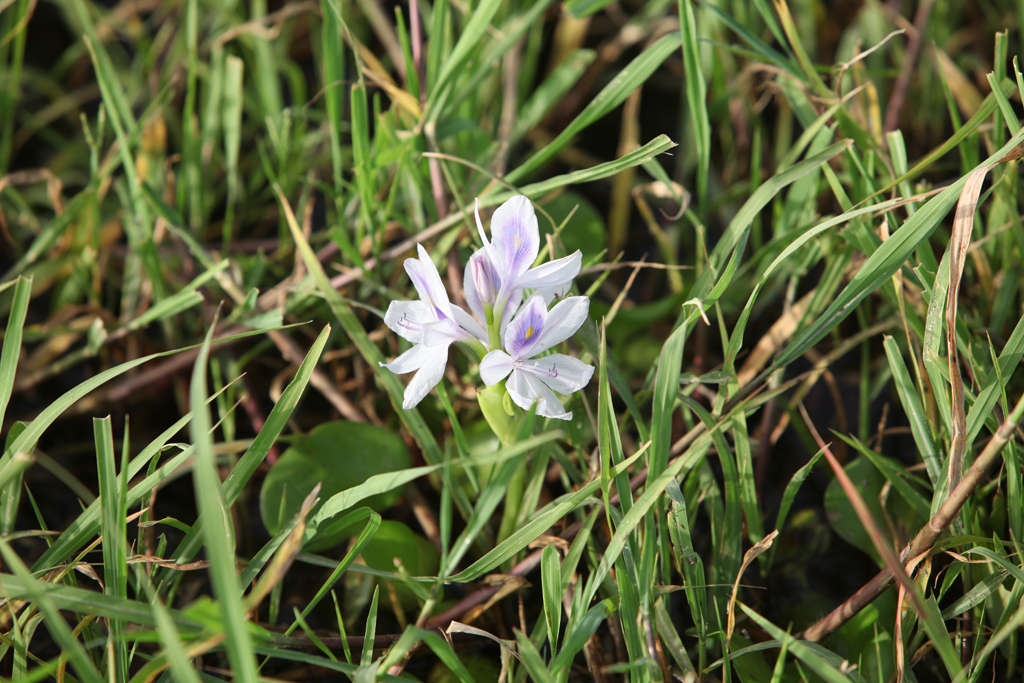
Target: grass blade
{"type": "Point", "coordinates": [217, 532]}
{"type": "Point", "coordinates": [627, 80]}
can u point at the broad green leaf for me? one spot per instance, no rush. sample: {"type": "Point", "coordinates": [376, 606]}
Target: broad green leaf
{"type": "Point", "coordinates": [338, 455]}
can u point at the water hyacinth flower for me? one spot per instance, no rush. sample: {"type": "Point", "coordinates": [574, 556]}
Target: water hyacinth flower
{"type": "Point", "coordinates": [535, 380]}
{"type": "Point", "coordinates": [512, 249]}
{"type": "Point", "coordinates": [432, 324]}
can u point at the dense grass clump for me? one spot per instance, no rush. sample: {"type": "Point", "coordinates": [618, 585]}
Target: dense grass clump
{"type": "Point", "coordinates": [797, 276]}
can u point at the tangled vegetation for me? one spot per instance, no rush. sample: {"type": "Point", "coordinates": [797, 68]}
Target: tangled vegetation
{"type": "Point", "coordinates": [786, 449]}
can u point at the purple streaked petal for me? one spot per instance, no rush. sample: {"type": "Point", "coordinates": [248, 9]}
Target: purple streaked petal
{"type": "Point", "coordinates": [494, 367]}
{"type": "Point", "coordinates": [427, 282]}
{"type": "Point", "coordinates": [406, 319]}
{"type": "Point", "coordinates": [552, 274]}
{"type": "Point", "coordinates": [511, 306]}
{"type": "Point", "coordinates": [562, 322]}
{"type": "Point", "coordinates": [526, 389]}
{"type": "Point", "coordinates": [561, 373]}
{"type": "Point", "coordinates": [526, 329]}
{"type": "Point", "coordinates": [515, 238]}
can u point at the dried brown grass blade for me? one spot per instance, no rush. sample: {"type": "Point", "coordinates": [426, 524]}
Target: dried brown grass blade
{"type": "Point", "coordinates": [748, 557]}
{"type": "Point", "coordinates": [959, 241]}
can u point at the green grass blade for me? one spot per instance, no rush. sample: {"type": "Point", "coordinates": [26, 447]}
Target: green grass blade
{"type": "Point", "coordinates": [535, 526]}
{"type": "Point", "coordinates": [914, 410]}
{"type": "Point", "coordinates": [551, 586]}
{"type": "Point", "coordinates": [792, 488]}
{"type": "Point", "coordinates": [981, 411]}
{"type": "Point", "coordinates": [472, 34]}
{"type": "Point", "coordinates": [532, 661]}
{"type": "Point", "coordinates": [801, 650]}
{"type": "Point", "coordinates": [584, 630]}
{"type": "Point", "coordinates": [14, 464]}
{"type": "Point", "coordinates": [585, 8]}
{"type": "Point", "coordinates": [666, 386]}
{"type": "Point", "coordinates": [658, 145]}
{"type": "Point", "coordinates": [881, 265]}
{"type": "Point", "coordinates": [696, 97]}
{"type": "Point", "coordinates": [551, 91]}
{"type": "Point", "coordinates": [268, 434]}
{"type": "Point", "coordinates": [115, 540]}
{"type": "Point", "coordinates": [28, 439]}
{"type": "Point", "coordinates": [218, 536]}
{"type": "Point", "coordinates": [58, 628]}
{"type": "Point", "coordinates": [627, 80]}
{"type": "Point", "coordinates": [12, 341]}
{"type": "Point", "coordinates": [170, 638]}
{"type": "Point", "coordinates": [984, 113]}
{"type": "Point", "coordinates": [365, 536]}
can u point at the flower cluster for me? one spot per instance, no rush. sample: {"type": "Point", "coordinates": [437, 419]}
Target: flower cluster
{"type": "Point", "coordinates": [510, 334]}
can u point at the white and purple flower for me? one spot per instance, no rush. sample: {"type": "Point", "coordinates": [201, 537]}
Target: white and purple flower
{"type": "Point", "coordinates": [494, 281]}
{"type": "Point", "coordinates": [511, 251]}
{"type": "Point", "coordinates": [432, 324]}
{"type": "Point", "coordinates": [535, 380]}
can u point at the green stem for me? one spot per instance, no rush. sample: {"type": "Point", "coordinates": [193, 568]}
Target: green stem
{"type": "Point", "coordinates": [493, 326]}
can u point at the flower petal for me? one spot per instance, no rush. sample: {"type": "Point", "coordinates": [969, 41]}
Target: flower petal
{"type": "Point", "coordinates": [480, 225]}
{"type": "Point", "coordinates": [406, 319]}
{"type": "Point", "coordinates": [515, 238]}
{"type": "Point", "coordinates": [562, 322]}
{"type": "Point", "coordinates": [511, 306]}
{"type": "Point", "coordinates": [430, 373]}
{"type": "Point", "coordinates": [561, 373]}
{"type": "Point", "coordinates": [494, 367]}
{"type": "Point", "coordinates": [469, 324]}
{"type": "Point", "coordinates": [526, 389]}
{"type": "Point", "coordinates": [526, 329]}
{"type": "Point", "coordinates": [427, 282]}
{"type": "Point", "coordinates": [443, 333]}
{"type": "Point", "coordinates": [413, 359]}
{"type": "Point", "coordinates": [552, 274]}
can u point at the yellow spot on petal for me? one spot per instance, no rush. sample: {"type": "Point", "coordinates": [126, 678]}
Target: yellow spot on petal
{"type": "Point", "coordinates": [529, 332]}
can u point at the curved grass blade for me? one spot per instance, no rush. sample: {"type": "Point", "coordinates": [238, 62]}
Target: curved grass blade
{"type": "Point", "coordinates": [626, 81]}
{"type": "Point", "coordinates": [217, 531]}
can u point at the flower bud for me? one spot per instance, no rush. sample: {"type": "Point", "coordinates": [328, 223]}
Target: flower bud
{"type": "Point", "coordinates": [484, 278]}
